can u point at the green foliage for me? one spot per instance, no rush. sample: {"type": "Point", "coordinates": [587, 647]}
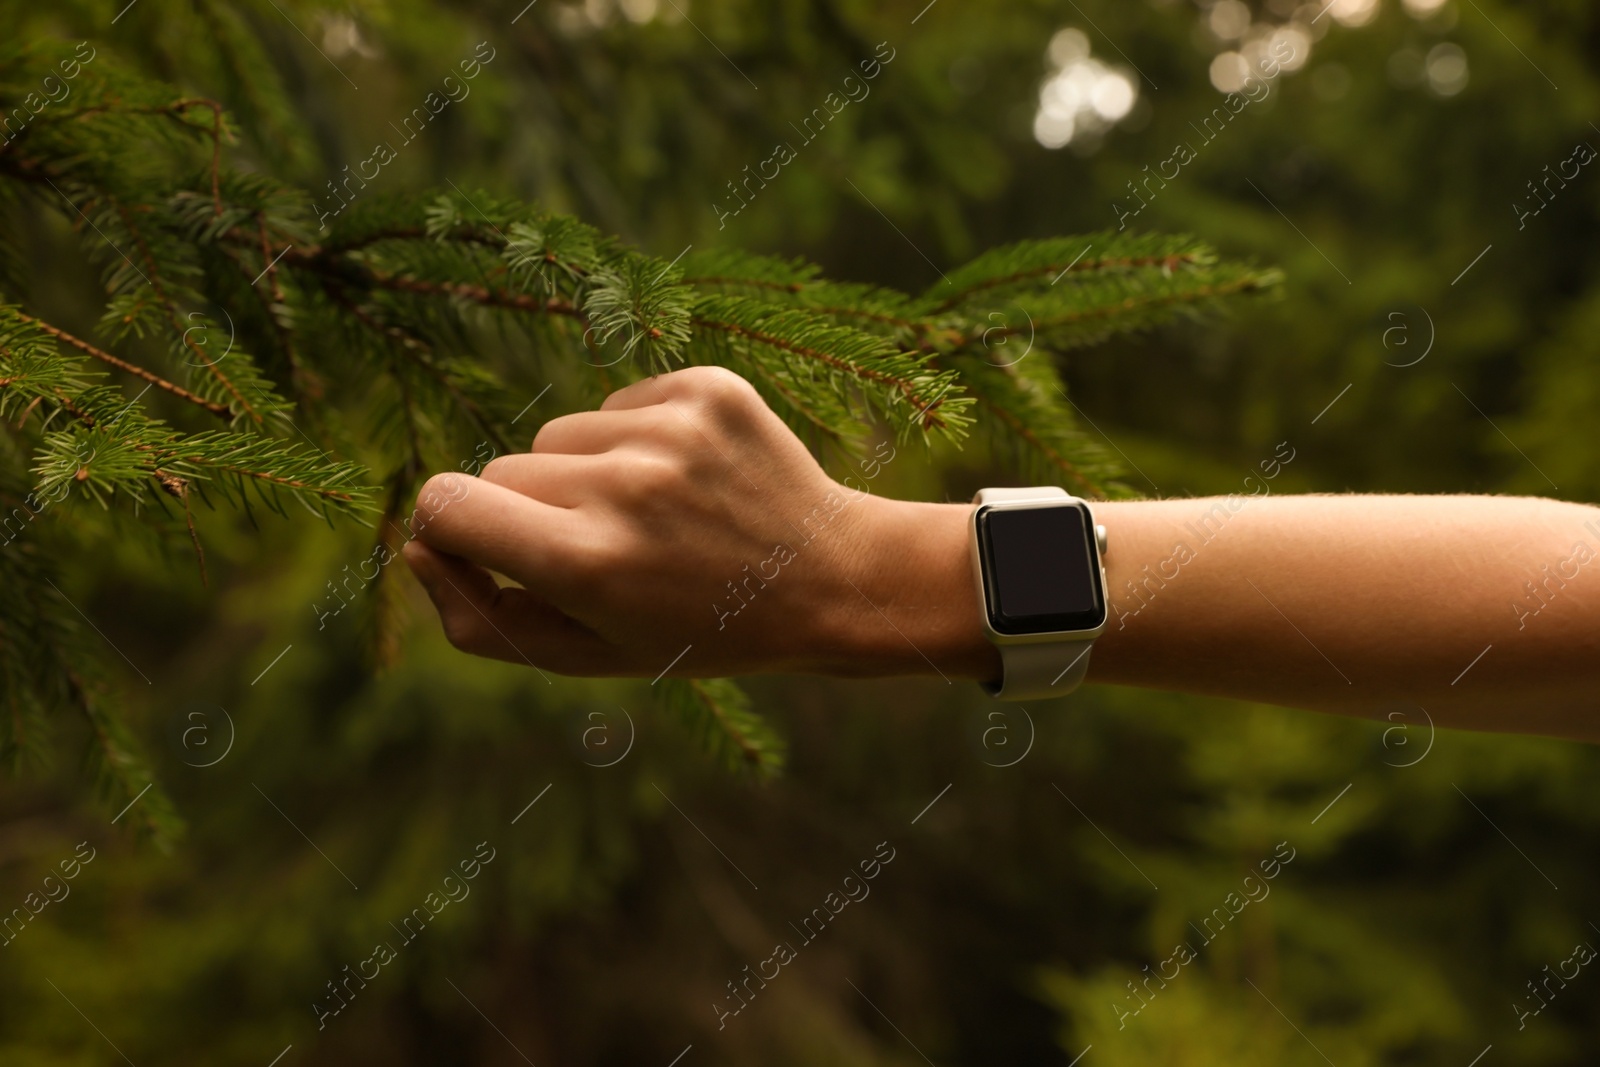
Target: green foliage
{"type": "Point", "coordinates": [720, 715]}
{"type": "Point", "coordinates": [1402, 932]}
{"type": "Point", "coordinates": [394, 297]}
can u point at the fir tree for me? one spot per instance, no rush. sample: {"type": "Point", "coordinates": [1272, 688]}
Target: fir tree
{"type": "Point", "coordinates": [258, 350]}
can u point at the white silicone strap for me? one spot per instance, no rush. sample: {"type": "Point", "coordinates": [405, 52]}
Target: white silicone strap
{"type": "Point", "coordinates": [1042, 670]}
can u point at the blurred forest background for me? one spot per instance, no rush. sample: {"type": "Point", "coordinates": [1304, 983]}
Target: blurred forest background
{"type": "Point", "coordinates": [1430, 319]}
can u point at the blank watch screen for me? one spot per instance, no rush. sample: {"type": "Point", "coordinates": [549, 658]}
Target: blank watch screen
{"type": "Point", "coordinates": [1041, 570]}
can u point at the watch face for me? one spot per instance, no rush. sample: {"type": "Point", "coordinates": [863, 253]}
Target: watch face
{"type": "Point", "coordinates": [1041, 570]}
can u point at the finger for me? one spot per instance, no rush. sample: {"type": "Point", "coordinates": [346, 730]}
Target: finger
{"type": "Point", "coordinates": [593, 432]}
{"type": "Point", "coordinates": [481, 617]}
{"type": "Point", "coordinates": [711, 396]}
{"type": "Point", "coordinates": [639, 394]}
{"type": "Point", "coordinates": [700, 384]}
{"type": "Point", "coordinates": [554, 478]}
{"type": "Point", "coordinates": [498, 528]}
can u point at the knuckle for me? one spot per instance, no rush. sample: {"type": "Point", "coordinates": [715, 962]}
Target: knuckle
{"type": "Point", "coordinates": [615, 399]}
{"type": "Point", "coordinates": [723, 391]}
{"type": "Point", "coordinates": [566, 432]}
{"type": "Point", "coordinates": [550, 433]}
{"type": "Point", "coordinates": [644, 475]}
{"type": "Point", "coordinates": [589, 564]}
{"type": "Point", "coordinates": [502, 470]}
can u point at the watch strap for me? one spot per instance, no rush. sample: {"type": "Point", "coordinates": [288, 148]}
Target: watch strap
{"type": "Point", "coordinates": [1044, 494]}
{"type": "Point", "coordinates": [1041, 670]}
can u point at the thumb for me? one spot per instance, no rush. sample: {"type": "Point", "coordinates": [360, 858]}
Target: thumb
{"type": "Point", "coordinates": [468, 601]}
{"type": "Point", "coordinates": [484, 618]}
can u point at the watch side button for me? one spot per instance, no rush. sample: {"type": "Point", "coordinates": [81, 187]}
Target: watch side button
{"type": "Point", "coordinates": [1100, 537]}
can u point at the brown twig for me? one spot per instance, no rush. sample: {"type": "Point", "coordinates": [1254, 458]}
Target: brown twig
{"type": "Point", "coordinates": [1204, 292]}
{"type": "Point", "coordinates": [479, 294]}
{"type": "Point", "coordinates": [753, 283]}
{"type": "Point", "coordinates": [172, 313]}
{"type": "Point", "coordinates": [179, 487]}
{"type": "Point", "coordinates": [905, 387]}
{"type": "Point", "coordinates": [285, 341]}
{"type": "Point", "coordinates": [174, 110]}
{"type": "Point", "coordinates": [1076, 268]}
{"type": "Point", "coordinates": [216, 144]}
{"type": "Point", "coordinates": [121, 364]}
{"type": "Point", "coordinates": [403, 233]}
{"type": "Point", "coordinates": [417, 348]}
{"type": "Point", "coordinates": [800, 287]}
{"type": "Point", "coordinates": [1050, 453]}
{"type": "Point", "coordinates": [163, 453]}
{"type": "Point", "coordinates": [747, 750]}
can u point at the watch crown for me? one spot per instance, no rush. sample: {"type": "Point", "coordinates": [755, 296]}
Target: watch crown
{"type": "Point", "coordinates": [1100, 538]}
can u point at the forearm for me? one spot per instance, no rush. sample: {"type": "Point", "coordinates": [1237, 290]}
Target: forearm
{"type": "Point", "coordinates": [1483, 611]}
{"type": "Point", "coordinates": [683, 529]}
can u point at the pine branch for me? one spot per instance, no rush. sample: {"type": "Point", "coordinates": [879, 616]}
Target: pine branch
{"type": "Point", "coordinates": [1088, 313]}
{"type": "Point", "coordinates": [419, 353]}
{"type": "Point", "coordinates": [1020, 398]}
{"type": "Point", "coordinates": [121, 364]}
{"type": "Point", "coordinates": [478, 294]}
{"type": "Point", "coordinates": [801, 283]}
{"type": "Point", "coordinates": [252, 81]}
{"type": "Point", "coordinates": [245, 407]}
{"type": "Point", "coordinates": [1028, 262]}
{"type": "Point", "coordinates": [719, 713]}
{"type": "Point", "coordinates": [269, 271]}
{"type": "Point", "coordinates": [129, 448]}
{"type": "Point", "coordinates": [42, 653]}
{"type": "Point", "coordinates": [393, 301]}
{"type": "Point", "coordinates": [804, 346]}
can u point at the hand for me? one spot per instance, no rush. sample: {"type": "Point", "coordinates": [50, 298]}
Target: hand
{"type": "Point", "coordinates": [685, 514]}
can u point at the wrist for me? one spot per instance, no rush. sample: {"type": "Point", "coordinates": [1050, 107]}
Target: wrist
{"type": "Point", "coordinates": [906, 603]}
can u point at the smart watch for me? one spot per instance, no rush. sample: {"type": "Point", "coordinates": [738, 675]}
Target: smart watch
{"type": "Point", "coordinates": [1036, 556]}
